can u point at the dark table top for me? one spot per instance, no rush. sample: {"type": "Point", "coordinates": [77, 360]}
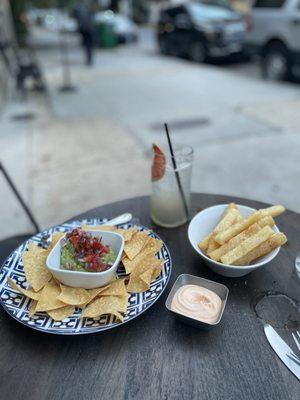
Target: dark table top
{"type": "Point", "coordinates": [157, 357]}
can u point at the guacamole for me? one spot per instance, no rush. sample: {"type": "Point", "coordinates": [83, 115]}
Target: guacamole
{"type": "Point", "coordinates": [82, 252]}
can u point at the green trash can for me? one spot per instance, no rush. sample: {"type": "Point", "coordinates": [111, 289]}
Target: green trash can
{"type": "Point", "coordinates": [105, 35]}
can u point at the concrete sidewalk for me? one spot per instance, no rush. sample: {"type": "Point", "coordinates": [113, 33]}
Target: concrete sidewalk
{"type": "Point", "coordinates": [63, 168]}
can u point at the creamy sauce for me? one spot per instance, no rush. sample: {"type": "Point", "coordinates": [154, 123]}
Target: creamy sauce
{"type": "Point", "coordinates": [197, 302]}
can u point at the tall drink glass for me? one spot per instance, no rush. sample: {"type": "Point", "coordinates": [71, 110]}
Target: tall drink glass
{"type": "Point", "coordinates": [167, 207]}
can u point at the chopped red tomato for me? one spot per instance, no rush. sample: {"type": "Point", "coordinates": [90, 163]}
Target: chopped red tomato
{"type": "Point", "coordinates": [89, 250]}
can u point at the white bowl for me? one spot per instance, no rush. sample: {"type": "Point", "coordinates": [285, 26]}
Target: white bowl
{"type": "Point", "coordinates": [87, 280]}
{"type": "Point", "coordinates": [204, 222]}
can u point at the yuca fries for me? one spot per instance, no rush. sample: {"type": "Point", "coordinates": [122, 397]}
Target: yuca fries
{"type": "Point", "coordinates": [212, 245]}
{"type": "Point", "coordinates": [277, 239]}
{"type": "Point", "coordinates": [244, 240]}
{"type": "Point", "coordinates": [274, 211]}
{"type": "Point", "coordinates": [245, 223]}
{"type": "Point", "coordinates": [203, 245]}
{"type": "Point", "coordinates": [237, 228]}
{"type": "Point", "coordinates": [235, 241]}
{"type": "Point", "coordinates": [247, 245]}
{"type": "Point", "coordinates": [230, 216]}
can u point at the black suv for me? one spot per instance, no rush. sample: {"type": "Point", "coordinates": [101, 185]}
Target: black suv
{"type": "Point", "coordinates": [199, 31]}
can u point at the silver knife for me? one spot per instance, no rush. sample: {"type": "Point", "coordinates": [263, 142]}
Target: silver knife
{"type": "Point", "coordinates": [281, 349]}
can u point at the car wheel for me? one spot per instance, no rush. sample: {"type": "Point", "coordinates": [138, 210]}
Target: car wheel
{"type": "Point", "coordinates": [163, 47]}
{"type": "Point", "coordinates": [197, 52]}
{"type": "Point", "coordinates": [276, 63]}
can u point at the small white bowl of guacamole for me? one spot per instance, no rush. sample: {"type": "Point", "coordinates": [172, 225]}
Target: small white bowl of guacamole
{"type": "Point", "coordinates": [86, 259]}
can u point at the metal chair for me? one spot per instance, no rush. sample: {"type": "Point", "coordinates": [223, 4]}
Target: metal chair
{"type": "Point", "coordinates": [9, 244]}
{"type": "Point", "coordinates": [21, 64]}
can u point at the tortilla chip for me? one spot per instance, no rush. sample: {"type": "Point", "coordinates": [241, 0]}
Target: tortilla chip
{"type": "Point", "coordinates": [116, 288]}
{"type": "Point", "coordinates": [149, 262]}
{"type": "Point", "coordinates": [61, 313]}
{"type": "Point", "coordinates": [103, 311]}
{"type": "Point", "coordinates": [137, 285]}
{"type": "Point", "coordinates": [130, 265]}
{"type": "Point", "coordinates": [136, 244]}
{"type": "Point", "coordinates": [127, 264]}
{"type": "Point", "coordinates": [141, 276]}
{"type": "Point", "coordinates": [48, 299]}
{"type": "Point", "coordinates": [56, 236]}
{"type": "Point", "coordinates": [153, 245]}
{"type": "Point", "coordinates": [55, 280]}
{"type": "Point", "coordinates": [86, 227]}
{"type": "Point", "coordinates": [34, 261]}
{"type": "Point", "coordinates": [106, 305]}
{"type": "Point", "coordinates": [157, 270]}
{"type": "Point", "coordinates": [32, 308]}
{"type": "Point", "coordinates": [151, 248]}
{"type": "Point", "coordinates": [147, 276]}
{"type": "Point", "coordinates": [27, 292]}
{"type": "Point", "coordinates": [127, 233]}
{"type": "Point", "coordinates": [94, 293]}
{"type": "Point", "coordinates": [73, 295]}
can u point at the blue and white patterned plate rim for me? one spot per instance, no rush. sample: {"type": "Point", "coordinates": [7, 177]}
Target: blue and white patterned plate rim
{"type": "Point", "coordinates": [138, 302]}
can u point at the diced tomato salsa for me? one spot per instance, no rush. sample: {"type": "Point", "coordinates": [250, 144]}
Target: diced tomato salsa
{"type": "Point", "coordinates": [83, 252]}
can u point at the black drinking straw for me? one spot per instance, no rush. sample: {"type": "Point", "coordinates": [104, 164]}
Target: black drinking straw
{"type": "Point", "coordinates": [176, 173]}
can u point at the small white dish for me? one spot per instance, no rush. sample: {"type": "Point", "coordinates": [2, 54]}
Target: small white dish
{"type": "Point", "coordinates": [204, 222]}
{"type": "Point", "coordinates": [87, 280]}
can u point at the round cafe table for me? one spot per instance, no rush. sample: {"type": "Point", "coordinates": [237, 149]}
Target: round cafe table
{"type": "Point", "coordinates": [154, 356]}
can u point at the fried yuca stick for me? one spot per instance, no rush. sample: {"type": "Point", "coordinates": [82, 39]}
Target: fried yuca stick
{"type": "Point", "coordinates": [212, 245]}
{"type": "Point", "coordinates": [266, 221]}
{"type": "Point", "coordinates": [238, 227]}
{"type": "Point", "coordinates": [247, 245]}
{"type": "Point", "coordinates": [230, 218]}
{"type": "Point", "coordinates": [230, 207]}
{"type": "Point", "coordinates": [274, 211]}
{"type": "Point", "coordinates": [277, 239]}
{"type": "Point", "coordinates": [236, 240]}
{"type": "Point", "coordinates": [203, 245]}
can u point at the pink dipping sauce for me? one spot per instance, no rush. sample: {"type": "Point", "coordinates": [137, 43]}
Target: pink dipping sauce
{"type": "Point", "coordinates": [197, 302]}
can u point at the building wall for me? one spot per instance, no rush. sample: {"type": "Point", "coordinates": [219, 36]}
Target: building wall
{"type": "Point", "coordinates": [6, 27]}
{"type": "Point", "coordinates": [6, 34]}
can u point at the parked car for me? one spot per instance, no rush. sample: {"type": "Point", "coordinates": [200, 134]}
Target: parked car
{"type": "Point", "coordinates": [52, 19]}
{"type": "Point", "coordinates": [274, 35]}
{"type": "Point", "coordinates": [125, 29]}
{"type": "Point", "coordinates": [200, 31]}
